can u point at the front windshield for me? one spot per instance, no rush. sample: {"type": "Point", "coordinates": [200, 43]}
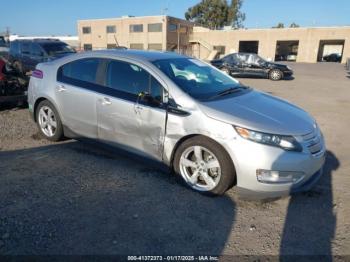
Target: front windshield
{"type": "Point", "coordinates": [53, 49]}
{"type": "Point", "coordinates": [196, 78]}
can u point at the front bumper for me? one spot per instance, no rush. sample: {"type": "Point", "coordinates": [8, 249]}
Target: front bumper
{"type": "Point", "coordinates": [288, 73]}
{"type": "Point", "coordinates": [303, 187]}
{"type": "Point", "coordinates": [249, 156]}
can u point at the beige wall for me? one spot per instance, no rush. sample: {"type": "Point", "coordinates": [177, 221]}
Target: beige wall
{"type": "Point", "coordinates": [183, 38]}
{"type": "Point", "coordinates": [199, 41]}
{"type": "Point", "coordinates": [99, 37]}
{"type": "Point", "coordinates": [309, 40]}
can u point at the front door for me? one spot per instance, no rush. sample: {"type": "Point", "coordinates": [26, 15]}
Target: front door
{"type": "Point", "coordinates": [256, 66]}
{"type": "Point", "coordinates": [131, 112]}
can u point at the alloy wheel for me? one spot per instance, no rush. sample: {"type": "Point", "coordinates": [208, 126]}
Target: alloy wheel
{"type": "Point", "coordinates": [47, 121]}
{"type": "Point", "coordinates": [200, 168]}
{"type": "Point", "coordinates": [276, 75]}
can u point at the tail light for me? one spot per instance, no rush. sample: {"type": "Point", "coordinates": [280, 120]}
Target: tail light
{"type": "Point", "coordinates": [38, 74]}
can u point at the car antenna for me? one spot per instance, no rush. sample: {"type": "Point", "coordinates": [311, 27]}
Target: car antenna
{"type": "Point", "coordinates": [116, 41]}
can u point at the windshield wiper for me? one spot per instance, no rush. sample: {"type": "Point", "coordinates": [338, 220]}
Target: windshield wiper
{"type": "Point", "coordinates": [228, 91]}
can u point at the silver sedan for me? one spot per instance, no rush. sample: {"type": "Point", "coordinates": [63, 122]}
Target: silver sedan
{"type": "Point", "coordinates": [210, 129]}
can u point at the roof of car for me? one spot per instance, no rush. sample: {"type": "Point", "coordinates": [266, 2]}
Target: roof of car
{"type": "Point", "coordinates": [39, 40]}
{"type": "Point", "coordinates": [139, 54]}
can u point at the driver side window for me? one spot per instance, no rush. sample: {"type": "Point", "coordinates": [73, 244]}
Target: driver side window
{"type": "Point", "coordinates": [132, 79]}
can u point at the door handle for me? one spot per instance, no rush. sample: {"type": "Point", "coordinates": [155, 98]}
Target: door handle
{"type": "Point", "coordinates": [106, 101]}
{"type": "Point", "coordinates": [61, 88]}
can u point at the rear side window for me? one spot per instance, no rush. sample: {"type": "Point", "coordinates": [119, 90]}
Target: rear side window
{"type": "Point", "coordinates": [25, 48]}
{"type": "Point", "coordinates": [36, 50]}
{"type": "Point", "coordinates": [132, 79]}
{"type": "Point", "coordinates": [57, 48]}
{"type": "Point", "coordinates": [79, 72]}
{"type": "Point", "coordinates": [231, 59]}
{"type": "Point", "coordinates": [14, 47]}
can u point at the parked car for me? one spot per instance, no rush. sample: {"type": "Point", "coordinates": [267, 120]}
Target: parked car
{"type": "Point", "coordinates": [12, 87]}
{"type": "Point", "coordinates": [24, 55]}
{"type": "Point", "coordinates": [213, 131]}
{"type": "Point", "coordinates": [292, 57]}
{"type": "Point", "coordinates": [247, 64]}
{"type": "Point", "coordinates": [332, 58]}
{"type": "Point", "coordinates": [280, 57]}
{"type": "Point", "coordinates": [4, 48]}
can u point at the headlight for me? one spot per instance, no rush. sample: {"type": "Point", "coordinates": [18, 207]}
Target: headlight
{"type": "Point", "coordinates": [289, 68]}
{"type": "Point", "coordinates": [286, 142]}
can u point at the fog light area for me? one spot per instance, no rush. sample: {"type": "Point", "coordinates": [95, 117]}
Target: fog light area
{"type": "Point", "coordinates": [278, 177]}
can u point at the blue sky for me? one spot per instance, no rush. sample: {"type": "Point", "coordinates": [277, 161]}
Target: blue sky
{"type": "Point", "coordinates": [58, 17]}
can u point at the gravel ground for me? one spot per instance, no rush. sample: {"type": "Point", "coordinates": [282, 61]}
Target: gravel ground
{"type": "Point", "coordinates": [78, 198]}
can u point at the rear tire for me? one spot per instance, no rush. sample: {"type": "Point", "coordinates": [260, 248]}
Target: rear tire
{"type": "Point", "coordinates": [205, 166]}
{"type": "Point", "coordinates": [49, 121]}
{"type": "Point", "coordinates": [275, 75]}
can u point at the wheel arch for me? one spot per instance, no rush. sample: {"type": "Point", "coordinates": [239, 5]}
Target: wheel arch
{"type": "Point", "coordinates": [37, 102]}
{"type": "Point", "coordinates": [185, 138]}
{"type": "Point", "coordinates": [272, 69]}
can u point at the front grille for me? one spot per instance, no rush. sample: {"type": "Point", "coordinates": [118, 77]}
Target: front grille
{"type": "Point", "coordinates": [313, 142]}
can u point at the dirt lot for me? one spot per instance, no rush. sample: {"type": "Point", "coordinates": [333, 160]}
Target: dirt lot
{"type": "Point", "coordinates": [76, 198]}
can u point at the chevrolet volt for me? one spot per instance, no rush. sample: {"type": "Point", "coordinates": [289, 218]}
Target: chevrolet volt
{"type": "Point", "coordinates": [211, 130]}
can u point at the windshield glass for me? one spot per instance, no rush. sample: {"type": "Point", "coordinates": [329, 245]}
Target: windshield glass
{"type": "Point", "coordinates": [198, 79]}
{"type": "Point", "coordinates": [53, 49]}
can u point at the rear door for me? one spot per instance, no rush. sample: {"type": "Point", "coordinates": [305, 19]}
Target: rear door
{"type": "Point", "coordinates": [76, 93]}
{"type": "Point", "coordinates": [243, 65]}
{"type": "Point", "coordinates": [233, 64]}
{"type": "Point", "coordinates": [131, 112]}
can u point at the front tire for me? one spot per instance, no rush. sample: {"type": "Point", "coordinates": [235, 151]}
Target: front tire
{"type": "Point", "coordinates": [205, 166]}
{"type": "Point", "coordinates": [49, 121]}
{"type": "Point", "coordinates": [275, 75]}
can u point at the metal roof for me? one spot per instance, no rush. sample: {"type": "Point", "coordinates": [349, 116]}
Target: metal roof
{"type": "Point", "coordinates": [138, 54]}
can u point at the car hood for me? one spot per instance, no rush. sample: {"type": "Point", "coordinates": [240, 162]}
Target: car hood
{"type": "Point", "coordinates": [261, 112]}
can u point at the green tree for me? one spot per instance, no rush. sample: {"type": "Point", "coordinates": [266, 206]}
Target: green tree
{"type": "Point", "coordinates": [235, 17]}
{"type": "Point", "coordinates": [294, 25]}
{"type": "Point", "coordinates": [216, 13]}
